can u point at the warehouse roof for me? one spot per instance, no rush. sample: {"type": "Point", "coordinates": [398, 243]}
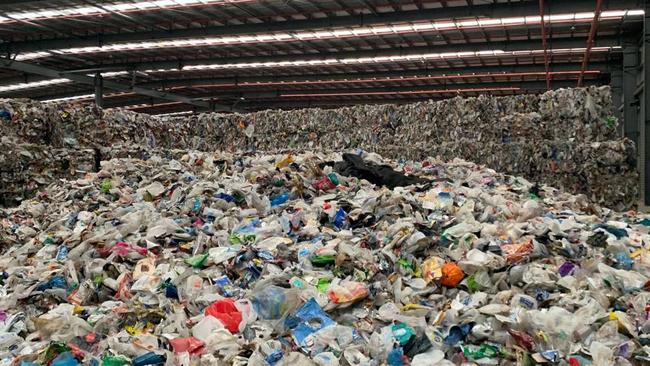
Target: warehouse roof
{"type": "Point", "coordinates": [171, 56]}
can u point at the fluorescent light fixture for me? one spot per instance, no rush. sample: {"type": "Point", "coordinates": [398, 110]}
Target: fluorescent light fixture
{"type": "Point", "coordinates": [49, 82]}
{"type": "Point", "coordinates": [171, 114]}
{"type": "Point", "coordinates": [325, 62]}
{"type": "Point", "coordinates": [32, 85]}
{"type": "Point", "coordinates": [73, 98]}
{"type": "Point", "coordinates": [141, 106]}
{"type": "Point", "coordinates": [335, 33]}
{"type": "Point", "coordinates": [381, 59]}
{"type": "Point", "coordinates": [108, 8]}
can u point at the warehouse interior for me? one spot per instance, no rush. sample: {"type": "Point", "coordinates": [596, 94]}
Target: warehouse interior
{"type": "Point", "coordinates": [253, 55]}
{"type": "Point", "coordinates": [183, 57]}
{"type": "Point", "coordinates": [274, 91]}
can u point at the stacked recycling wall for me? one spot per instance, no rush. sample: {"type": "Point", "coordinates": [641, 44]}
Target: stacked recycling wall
{"type": "Point", "coordinates": [565, 138]}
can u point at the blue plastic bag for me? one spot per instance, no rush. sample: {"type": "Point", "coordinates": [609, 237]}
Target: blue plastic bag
{"type": "Point", "coordinates": [279, 199]}
{"type": "Point", "coordinates": [339, 218]}
{"type": "Point", "coordinates": [65, 359]}
{"type": "Point", "coordinates": [307, 320]}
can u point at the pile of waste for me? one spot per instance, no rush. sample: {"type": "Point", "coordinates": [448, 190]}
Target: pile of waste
{"type": "Point", "coordinates": [318, 259]}
{"type": "Point", "coordinates": [562, 137]}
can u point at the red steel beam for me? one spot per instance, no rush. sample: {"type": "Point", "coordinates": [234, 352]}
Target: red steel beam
{"type": "Point", "coordinates": [590, 41]}
{"type": "Point", "coordinates": [519, 75]}
{"type": "Point", "coordinates": [410, 92]}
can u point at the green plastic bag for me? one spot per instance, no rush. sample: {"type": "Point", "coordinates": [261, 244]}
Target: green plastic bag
{"type": "Point", "coordinates": [106, 185]}
{"type": "Point", "coordinates": [115, 361]}
{"type": "Point", "coordinates": [323, 284]}
{"type": "Point", "coordinates": [322, 260]}
{"type": "Point", "coordinates": [197, 260]}
{"type": "Point", "coordinates": [486, 350]}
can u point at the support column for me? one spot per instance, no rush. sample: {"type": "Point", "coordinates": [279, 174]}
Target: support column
{"type": "Point", "coordinates": [630, 70]}
{"type": "Point", "coordinates": [617, 96]}
{"type": "Point", "coordinates": [99, 90]}
{"type": "Point", "coordinates": [644, 138]}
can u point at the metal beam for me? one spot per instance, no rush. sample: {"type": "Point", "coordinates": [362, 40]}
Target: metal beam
{"type": "Point", "coordinates": [522, 45]}
{"type": "Point", "coordinates": [544, 43]}
{"type": "Point", "coordinates": [644, 139]}
{"type": "Point", "coordinates": [87, 80]}
{"type": "Point", "coordinates": [450, 88]}
{"type": "Point", "coordinates": [603, 67]}
{"type": "Point", "coordinates": [280, 95]}
{"type": "Point", "coordinates": [451, 73]}
{"type": "Point", "coordinates": [7, 3]}
{"type": "Point", "coordinates": [592, 35]}
{"type": "Point", "coordinates": [497, 10]}
{"type": "Point", "coordinates": [381, 77]}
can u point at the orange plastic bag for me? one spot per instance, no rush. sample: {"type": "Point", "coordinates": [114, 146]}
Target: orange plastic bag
{"type": "Point", "coordinates": [451, 275]}
{"type": "Point", "coordinates": [347, 292]}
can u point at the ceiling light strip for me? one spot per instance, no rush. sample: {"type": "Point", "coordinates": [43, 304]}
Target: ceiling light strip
{"type": "Point", "coordinates": [323, 62]}
{"type": "Point", "coordinates": [332, 34]}
{"type": "Point", "coordinates": [138, 6]}
{"type": "Point", "coordinates": [390, 79]}
{"type": "Point", "coordinates": [381, 59]}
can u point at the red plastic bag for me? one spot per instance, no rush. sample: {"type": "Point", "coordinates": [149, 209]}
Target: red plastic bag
{"type": "Point", "coordinates": [227, 313]}
{"type": "Point", "coordinates": [190, 344]}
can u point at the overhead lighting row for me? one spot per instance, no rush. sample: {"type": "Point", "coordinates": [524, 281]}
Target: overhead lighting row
{"type": "Point", "coordinates": [440, 26]}
{"type": "Point", "coordinates": [324, 62]}
{"type": "Point", "coordinates": [170, 114]}
{"type": "Point", "coordinates": [90, 10]}
{"type": "Point", "coordinates": [381, 59]}
{"type": "Point", "coordinates": [42, 83]}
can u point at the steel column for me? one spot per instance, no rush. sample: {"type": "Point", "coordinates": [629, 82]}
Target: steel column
{"type": "Point", "coordinates": [644, 139]}
{"type": "Point", "coordinates": [99, 90]}
{"type": "Point", "coordinates": [617, 95]}
{"type": "Point", "coordinates": [630, 71]}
